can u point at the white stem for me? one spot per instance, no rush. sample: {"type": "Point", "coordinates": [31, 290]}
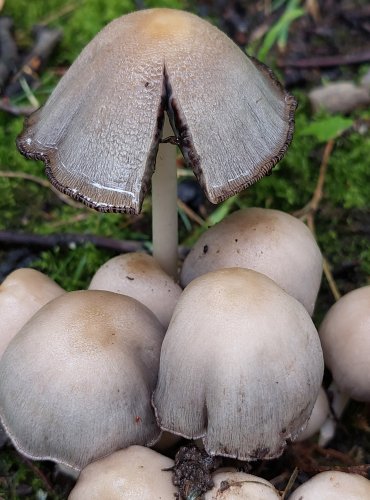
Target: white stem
{"type": "Point", "coordinates": [339, 401]}
{"type": "Point", "coordinates": [164, 206]}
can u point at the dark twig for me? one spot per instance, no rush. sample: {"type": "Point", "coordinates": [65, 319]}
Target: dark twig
{"type": "Point", "coordinates": [7, 106]}
{"type": "Point", "coordinates": [328, 61]}
{"type": "Point", "coordinates": [8, 51]}
{"type": "Point", "coordinates": [38, 472]}
{"type": "Point", "coordinates": [66, 240]}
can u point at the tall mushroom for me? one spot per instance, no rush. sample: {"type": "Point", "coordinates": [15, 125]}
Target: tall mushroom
{"type": "Point", "coordinates": [99, 132]}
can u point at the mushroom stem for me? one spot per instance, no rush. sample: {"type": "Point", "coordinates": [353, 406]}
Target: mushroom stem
{"type": "Point", "coordinates": [164, 206]}
{"type": "Point", "coordinates": [339, 402]}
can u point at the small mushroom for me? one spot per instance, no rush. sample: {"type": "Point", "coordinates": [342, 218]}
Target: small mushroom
{"type": "Point", "coordinates": [271, 242]}
{"type": "Point", "coordinates": [22, 294]}
{"type": "Point", "coordinates": [239, 485]}
{"type": "Point", "coordinates": [241, 366]}
{"type": "Point", "coordinates": [89, 363]}
{"type": "Point", "coordinates": [99, 132]}
{"type": "Point", "coordinates": [136, 473]}
{"type": "Point", "coordinates": [319, 414]}
{"type": "Point", "coordinates": [345, 339]}
{"type": "Point", "coordinates": [333, 485]}
{"type": "Point", "coordinates": [139, 275]}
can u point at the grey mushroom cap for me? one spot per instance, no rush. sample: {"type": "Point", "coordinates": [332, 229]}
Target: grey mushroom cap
{"type": "Point", "coordinates": [268, 241]}
{"type": "Point", "coordinates": [138, 275]}
{"type": "Point", "coordinates": [98, 133]}
{"type": "Point", "coordinates": [345, 338]}
{"type": "Point", "coordinates": [89, 363]}
{"type": "Point", "coordinates": [241, 366]}
{"type": "Point", "coordinates": [136, 473]}
{"type": "Point", "coordinates": [22, 294]}
{"type": "Point", "coordinates": [333, 485]}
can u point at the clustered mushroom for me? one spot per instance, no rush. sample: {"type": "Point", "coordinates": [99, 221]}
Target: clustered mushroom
{"type": "Point", "coordinates": [83, 388]}
{"type": "Point", "coordinates": [241, 364]}
{"type": "Point", "coordinates": [271, 242]}
{"type": "Point", "coordinates": [22, 294]}
{"type": "Point", "coordinates": [345, 339]}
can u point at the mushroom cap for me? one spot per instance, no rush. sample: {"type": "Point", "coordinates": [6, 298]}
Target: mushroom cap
{"type": "Point", "coordinates": [333, 485]}
{"type": "Point", "coordinates": [138, 275]}
{"type": "Point", "coordinates": [269, 241]}
{"type": "Point", "coordinates": [83, 388]}
{"type": "Point", "coordinates": [98, 133]}
{"type": "Point", "coordinates": [241, 365]}
{"type": "Point", "coordinates": [130, 474]}
{"type": "Point", "coordinates": [22, 294]}
{"type": "Point", "coordinates": [240, 486]}
{"type": "Point", "coordinates": [318, 416]}
{"type": "Point", "coordinates": [345, 339]}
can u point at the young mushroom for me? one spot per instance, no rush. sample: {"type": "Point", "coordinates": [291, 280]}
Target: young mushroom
{"type": "Point", "coordinates": [271, 242]}
{"type": "Point", "coordinates": [345, 339]}
{"type": "Point", "coordinates": [136, 473]}
{"type": "Point", "coordinates": [241, 366]}
{"type": "Point", "coordinates": [22, 294]}
{"type": "Point", "coordinates": [139, 275]}
{"type": "Point", "coordinates": [320, 413]}
{"type": "Point", "coordinates": [231, 485]}
{"type": "Point", "coordinates": [333, 485]}
{"type": "Point", "coordinates": [89, 363]}
{"type": "Point", "coordinates": [99, 135]}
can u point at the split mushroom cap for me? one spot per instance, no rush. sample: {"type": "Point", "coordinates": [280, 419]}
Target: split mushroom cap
{"type": "Point", "coordinates": [241, 366]}
{"type": "Point", "coordinates": [131, 474]}
{"type": "Point", "coordinates": [271, 242]}
{"type": "Point", "coordinates": [89, 365]}
{"type": "Point", "coordinates": [333, 485]}
{"type": "Point", "coordinates": [238, 485]}
{"type": "Point", "coordinates": [345, 340]}
{"type": "Point", "coordinates": [98, 134]}
{"type": "Point", "coordinates": [22, 294]}
{"type": "Point", "coordinates": [320, 413]}
{"type": "Point", "coordinates": [138, 275]}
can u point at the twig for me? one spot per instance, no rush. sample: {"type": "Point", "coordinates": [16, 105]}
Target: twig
{"type": "Point", "coordinates": [330, 279]}
{"type": "Point", "coordinates": [308, 212]}
{"type": "Point", "coordinates": [328, 61]}
{"type": "Point", "coordinates": [190, 213]}
{"type": "Point", "coordinates": [38, 472]}
{"type": "Point", "coordinates": [313, 204]}
{"type": "Point", "coordinates": [66, 9]}
{"type": "Point", "coordinates": [8, 107]}
{"type": "Point", "coordinates": [44, 183]}
{"type": "Point", "coordinates": [66, 240]}
{"type": "Point", "coordinates": [289, 486]}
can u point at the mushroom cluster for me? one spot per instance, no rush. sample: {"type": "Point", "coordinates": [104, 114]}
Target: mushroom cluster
{"type": "Point", "coordinates": [235, 358]}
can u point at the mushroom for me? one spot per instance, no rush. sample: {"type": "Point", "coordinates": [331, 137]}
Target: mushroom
{"type": "Point", "coordinates": [333, 485]}
{"type": "Point", "coordinates": [318, 416]}
{"type": "Point", "coordinates": [139, 275]}
{"type": "Point", "coordinates": [241, 366]}
{"type": "Point", "coordinates": [239, 485]}
{"type": "Point", "coordinates": [130, 474]}
{"type": "Point", "coordinates": [271, 242]}
{"type": "Point", "coordinates": [99, 132]}
{"type": "Point", "coordinates": [345, 339]}
{"type": "Point", "coordinates": [22, 294]}
{"type": "Point", "coordinates": [89, 362]}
